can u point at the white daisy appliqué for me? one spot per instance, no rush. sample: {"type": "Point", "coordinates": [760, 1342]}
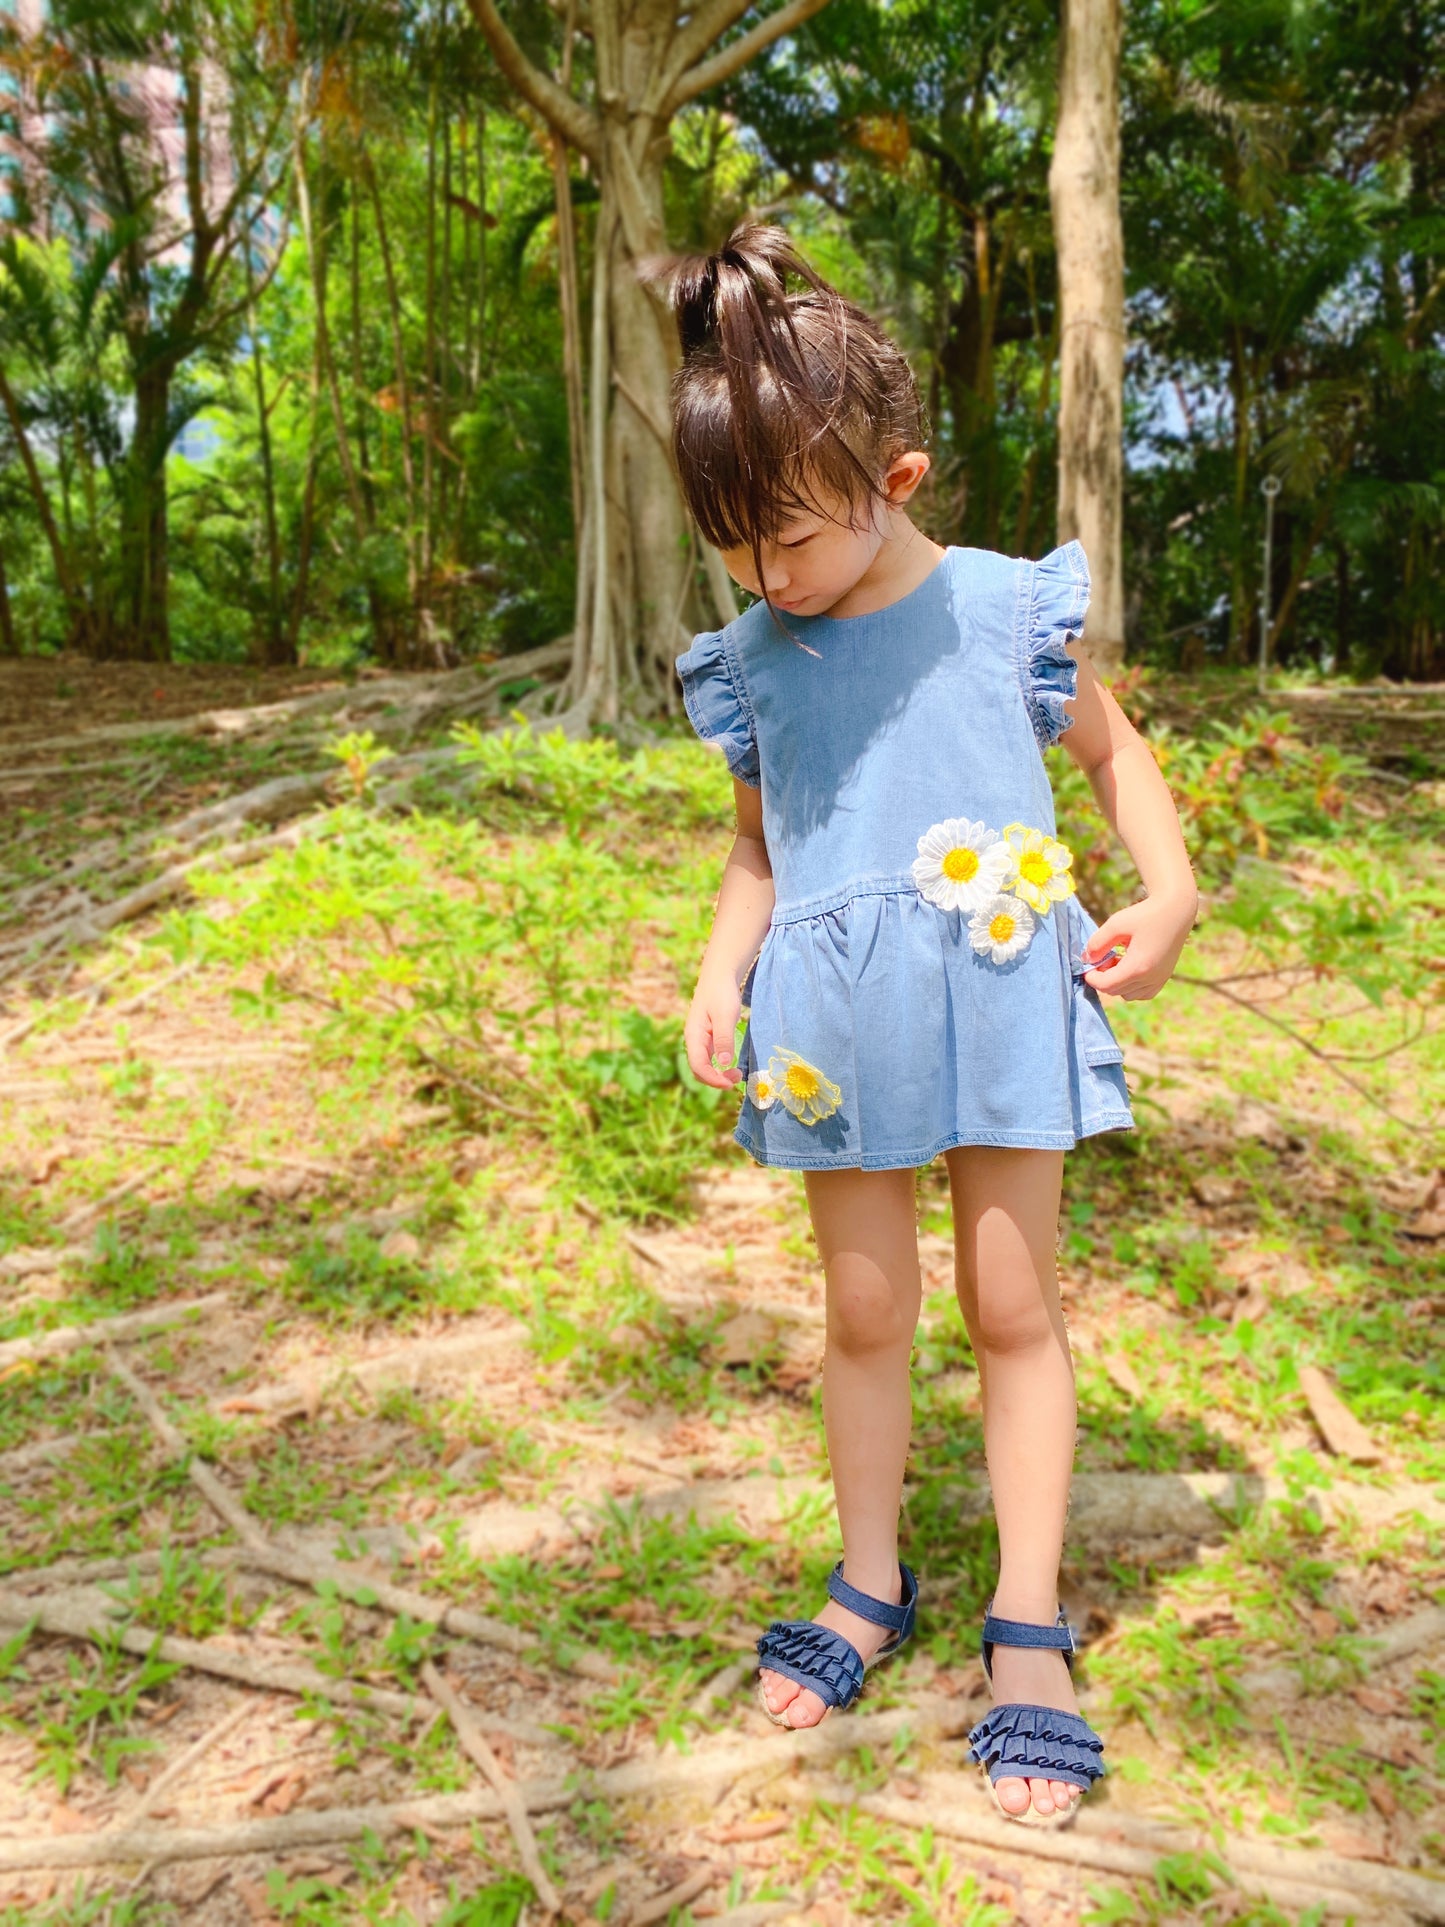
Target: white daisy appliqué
{"type": "Point", "coordinates": [1001, 928]}
{"type": "Point", "coordinates": [763, 1090]}
{"type": "Point", "coordinates": [960, 865]}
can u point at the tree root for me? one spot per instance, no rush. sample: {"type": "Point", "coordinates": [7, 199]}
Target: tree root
{"type": "Point", "coordinates": [405, 1366]}
{"type": "Point", "coordinates": [78, 1616]}
{"type": "Point", "coordinates": [475, 1745]}
{"type": "Point", "coordinates": [1402, 1640]}
{"type": "Point", "coordinates": [1121, 1843]}
{"type": "Point", "coordinates": [107, 1331]}
{"type": "Point", "coordinates": [703, 1773]}
{"type": "Point", "coordinates": [304, 1569]}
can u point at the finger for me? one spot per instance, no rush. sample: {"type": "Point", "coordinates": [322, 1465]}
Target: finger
{"type": "Point", "coordinates": [1113, 930]}
{"type": "Point", "coordinates": [1115, 979]}
{"type": "Point", "coordinates": [697, 1040]}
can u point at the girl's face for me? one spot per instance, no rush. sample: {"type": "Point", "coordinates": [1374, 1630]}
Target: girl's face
{"type": "Point", "coordinates": [819, 556]}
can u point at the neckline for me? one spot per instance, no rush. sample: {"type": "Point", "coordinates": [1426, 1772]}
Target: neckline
{"type": "Point", "coordinates": [886, 608]}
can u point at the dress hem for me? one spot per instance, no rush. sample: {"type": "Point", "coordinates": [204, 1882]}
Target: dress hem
{"type": "Point", "coordinates": [907, 1160]}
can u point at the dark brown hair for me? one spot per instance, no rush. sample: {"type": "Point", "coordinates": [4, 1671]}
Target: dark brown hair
{"type": "Point", "coordinates": [788, 395]}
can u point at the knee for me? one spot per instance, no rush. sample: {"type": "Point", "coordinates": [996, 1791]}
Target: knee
{"type": "Point", "coordinates": [865, 1318]}
{"type": "Point", "coordinates": [1004, 1322]}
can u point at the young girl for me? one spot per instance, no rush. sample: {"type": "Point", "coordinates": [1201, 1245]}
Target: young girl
{"type": "Point", "coordinates": [902, 923]}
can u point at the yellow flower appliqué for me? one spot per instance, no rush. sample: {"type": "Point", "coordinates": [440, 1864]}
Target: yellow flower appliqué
{"type": "Point", "coordinates": [800, 1087]}
{"type": "Point", "coordinates": [1039, 868]}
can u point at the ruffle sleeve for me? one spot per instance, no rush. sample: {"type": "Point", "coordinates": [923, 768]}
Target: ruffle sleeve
{"type": "Point", "coordinates": [1048, 674]}
{"type": "Point", "coordinates": [717, 704]}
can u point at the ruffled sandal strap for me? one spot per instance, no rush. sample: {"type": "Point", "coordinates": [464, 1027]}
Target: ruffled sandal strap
{"type": "Point", "coordinates": [1020, 1632]}
{"type": "Point", "coordinates": [815, 1657]}
{"type": "Point", "coordinates": [899, 1620]}
{"type": "Point", "coordinates": [1024, 1742]}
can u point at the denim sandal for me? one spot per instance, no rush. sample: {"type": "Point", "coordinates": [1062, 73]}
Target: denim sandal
{"type": "Point", "coordinates": [824, 1661]}
{"type": "Point", "coordinates": [1019, 1741]}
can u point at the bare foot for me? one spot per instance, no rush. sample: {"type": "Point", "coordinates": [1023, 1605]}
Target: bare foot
{"type": "Point", "coordinates": [800, 1706]}
{"type": "Point", "coordinates": [1036, 1677]}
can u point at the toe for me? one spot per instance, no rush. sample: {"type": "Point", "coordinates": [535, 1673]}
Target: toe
{"type": "Point", "coordinates": [777, 1691]}
{"type": "Point", "coordinates": [1043, 1796]}
{"type": "Point", "coordinates": [1064, 1794]}
{"type": "Point", "coordinates": [1013, 1795]}
{"type": "Point", "coordinates": [806, 1709]}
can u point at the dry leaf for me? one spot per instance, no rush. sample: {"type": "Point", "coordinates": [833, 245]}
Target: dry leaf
{"type": "Point", "coordinates": [761, 1829]}
{"type": "Point", "coordinates": [1341, 1431]}
{"type": "Point", "coordinates": [1378, 1700]}
{"type": "Point", "coordinates": [284, 1796]}
{"type": "Point", "coordinates": [65, 1819]}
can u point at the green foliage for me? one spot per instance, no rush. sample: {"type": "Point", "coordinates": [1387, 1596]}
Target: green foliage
{"type": "Point", "coordinates": [87, 1719]}
{"type": "Point", "coordinates": [499, 966]}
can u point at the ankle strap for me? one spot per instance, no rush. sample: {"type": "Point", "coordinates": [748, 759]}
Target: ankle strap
{"type": "Point", "coordinates": [881, 1612]}
{"type": "Point", "coordinates": [1057, 1638]}
{"type": "Point", "coordinates": [1019, 1632]}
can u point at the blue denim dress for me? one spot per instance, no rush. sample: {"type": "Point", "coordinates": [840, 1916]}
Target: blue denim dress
{"type": "Point", "coordinates": [899, 1006]}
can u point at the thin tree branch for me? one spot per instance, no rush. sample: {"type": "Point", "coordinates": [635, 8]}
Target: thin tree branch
{"type": "Point", "coordinates": [707, 26]}
{"type": "Point", "coordinates": [571, 120]}
{"type": "Point", "coordinates": [1298, 1037]}
{"type": "Point", "coordinates": [730, 59]}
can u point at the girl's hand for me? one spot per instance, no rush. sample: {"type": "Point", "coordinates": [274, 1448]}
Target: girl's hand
{"type": "Point", "coordinates": [1153, 932]}
{"type": "Point", "coordinates": [711, 1026]}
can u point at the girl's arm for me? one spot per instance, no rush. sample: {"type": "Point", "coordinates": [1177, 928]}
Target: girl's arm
{"type": "Point", "coordinates": [744, 906]}
{"type": "Point", "coordinates": [1135, 798]}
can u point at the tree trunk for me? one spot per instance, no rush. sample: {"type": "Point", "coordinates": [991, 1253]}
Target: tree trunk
{"type": "Point", "coordinates": [1088, 235]}
{"type": "Point", "coordinates": [638, 594]}
{"type": "Point", "coordinates": [9, 641]}
{"type": "Point", "coordinates": [275, 643]}
{"type": "Point", "coordinates": [143, 632]}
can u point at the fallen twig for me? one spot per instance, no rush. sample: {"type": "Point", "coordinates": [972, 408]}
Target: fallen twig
{"type": "Point", "coordinates": [89, 1215]}
{"type": "Point", "coordinates": [407, 1365]}
{"type": "Point", "coordinates": [105, 1331]}
{"type": "Point", "coordinates": [221, 1501]}
{"type": "Point", "coordinates": [178, 1768]}
{"type": "Point", "coordinates": [474, 1743]}
{"type": "Point", "coordinates": [661, 1905]}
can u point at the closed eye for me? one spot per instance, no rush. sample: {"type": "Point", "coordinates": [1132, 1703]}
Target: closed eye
{"type": "Point", "coordinates": [798, 541]}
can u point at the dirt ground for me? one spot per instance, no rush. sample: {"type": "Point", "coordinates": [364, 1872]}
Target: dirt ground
{"type": "Point", "coordinates": [159, 1146]}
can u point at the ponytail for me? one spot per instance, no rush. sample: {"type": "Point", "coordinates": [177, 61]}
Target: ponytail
{"type": "Point", "coordinates": [788, 395]}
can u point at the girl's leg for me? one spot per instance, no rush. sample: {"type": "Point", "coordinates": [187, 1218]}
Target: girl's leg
{"type": "Point", "coordinates": [867, 1231]}
{"type": "Point", "coordinates": [1005, 1224]}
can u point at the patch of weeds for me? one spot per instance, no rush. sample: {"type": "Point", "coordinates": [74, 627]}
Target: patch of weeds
{"type": "Point", "coordinates": [1188, 1886]}
{"type": "Point", "coordinates": [108, 1909]}
{"type": "Point", "coordinates": [88, 1502]}
{"type": "Point", "coordinates": [358, 1281]}
{"type": "Point", "coordinates": [88, 1718]}
{"type": "Point", "coordinates": [183, 1596]}
{"type": "Point", "coordinates": [120, 1274]}
{"type": "Point", "coordinates": [1427, 1703]}
{"type": "Point", "coordinates": [288, 1486]}
{"type": "Point", "coordinates": [58, 1395]}
{"type": "Point", "coordinates": [656, 1595]}
{"type": "Point", "coordinates": [892, 1872]}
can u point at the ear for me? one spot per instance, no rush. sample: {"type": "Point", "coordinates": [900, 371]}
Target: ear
{"type": "Point", "coordinates": [903, 475]}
